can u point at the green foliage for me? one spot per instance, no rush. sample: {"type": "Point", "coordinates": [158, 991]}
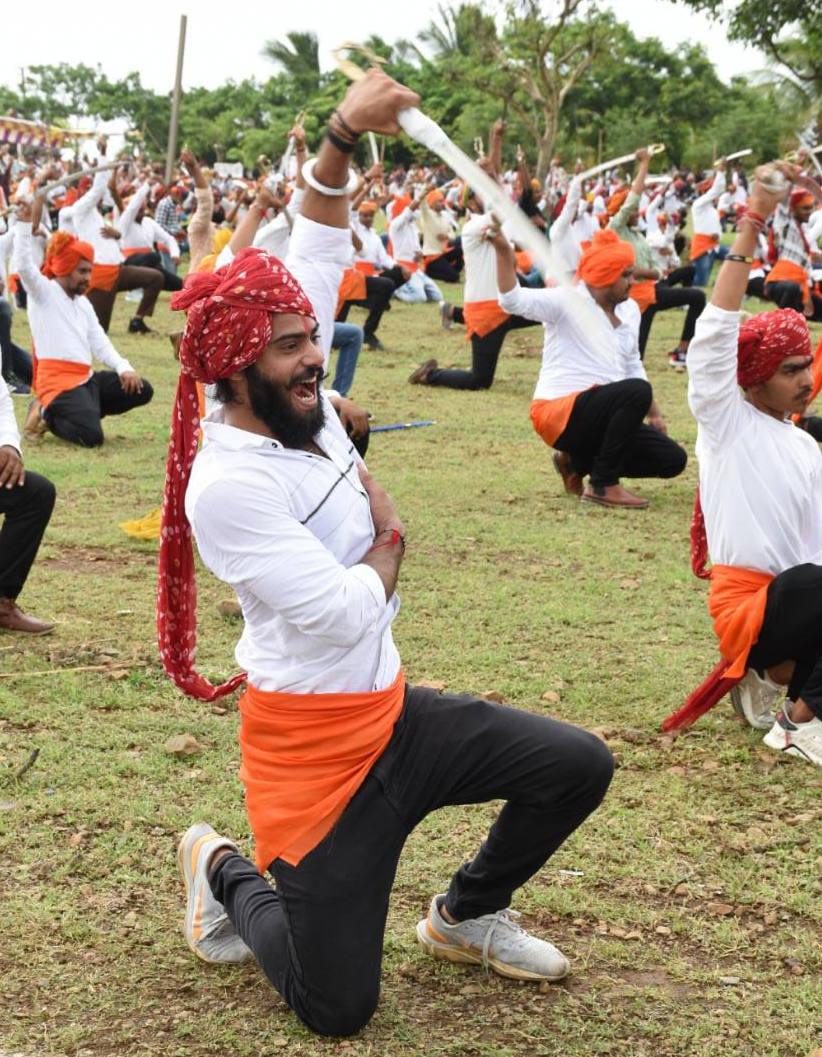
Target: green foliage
{"type": "Point", "coordinates": [469, 73]}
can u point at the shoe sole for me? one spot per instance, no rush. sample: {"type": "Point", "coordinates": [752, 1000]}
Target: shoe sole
{"type": "Point", "coordinates": [568, 490]}
{"type": "Point", "coordinates": [22, 631]}
{"type": "Point", "coordinates": [468, 956]}
{"type": "Point", "coordinates": [186, 861]}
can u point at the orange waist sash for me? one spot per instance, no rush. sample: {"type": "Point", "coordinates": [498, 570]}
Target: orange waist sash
{"type": "Point", "coordinates": [129, 251]}
{"type": "Point", "coordinates": [352, 288]}
{"type": "Point", "coordinates": [702, 244]}
{"type": "Point", "coordinates": [412, 266]}
{"type": "Point", "coordinates": [525, 261]}
{"type": "Point", "coordinates": [53, 377]}
{"type": "Point", "coordinates": [736, 602]}
{"type": "Point", "coordinates": [550, 417]}
{"type": "Point", "coordinates": [14, 283]}
{"type": "Point", "coordinates": [104, 276]}
{"type": "Point", "coordinates": [789, 272]}
{"type": "Point", "coordinates": [304, 756]}
{"type": "Point", "coordinates": [366, 267]}
{"type": "Point", "coordinates": [644, 293]}
{"type": "Point", "coordinates": [481, 317]}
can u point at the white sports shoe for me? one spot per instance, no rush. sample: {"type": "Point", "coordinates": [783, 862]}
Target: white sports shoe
{"type": "Point", "coordinates": [757, 700]}
{"type": "Point", "coordinates": [495, 941]}
{"type": "Point", "coordinates": [208, 931]}
{"type": "Point", "coordinates": [796, 739]}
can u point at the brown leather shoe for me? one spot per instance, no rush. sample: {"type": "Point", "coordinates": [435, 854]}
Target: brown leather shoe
{"type": "Point", "coordinates": [420, 376]}
{"type": "Point", "coordinates": [570, 478]}
{"type": "Point", "coordinates": [14, 619]}
{"type": "Point", "coordinates": [34, 426]}
{"type": "Point", "coordinates": [613, 495]}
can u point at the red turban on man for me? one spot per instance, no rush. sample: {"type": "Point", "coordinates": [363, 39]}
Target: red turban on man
{"type": "Point", "coordinates": [604, 259]}
{"type": "Point", "coordinates": [765, 340]}
{"type": "Point", "coordinates": [228, 329]}
{"type": "Point", "coordinates": [63, 253]}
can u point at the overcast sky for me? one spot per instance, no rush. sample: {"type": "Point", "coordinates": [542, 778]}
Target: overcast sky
{"type": "Point", "coordinates": [225, 42]}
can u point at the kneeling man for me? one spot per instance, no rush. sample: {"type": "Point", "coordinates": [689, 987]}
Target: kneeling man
{"type": "Point", "coordinates": [340, 758]}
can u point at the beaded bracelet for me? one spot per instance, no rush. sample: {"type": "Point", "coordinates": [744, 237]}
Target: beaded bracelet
{"type": "Point", "coordinates": [737, 258]}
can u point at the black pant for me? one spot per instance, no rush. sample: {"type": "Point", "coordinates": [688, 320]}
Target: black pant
{"type": "Point", "coordinates": [447, 268]}
{"type": "Point", "coordinates": [788, 294]}
{"type": "Point", "coordinates": [27, 510]}
{"type": "Point", "coordinates": [149, 280]}
{"type": "Point", "coordinates": [484, 355]}
{"type": "Point", "coordinates": [75, 414]}
{"type": "Point", "coordinates": [379, 290]}
{"type": "Point", "coordinates": [15, 361]}
{"type": "Point", "coordinates": [671, 297]}
{"type": "Point", "coordinates": [607, 437]}
{"type": "Point", "coordinates": [756, 287]}
{"type": "Point", "coordinates": [683, 276]}
{"type": "Point", "coordinates": [792, 631]}
{"type": "Point", "coordinates": [318, 937]}
{"type": "Point", "coordinates": [152, 259]}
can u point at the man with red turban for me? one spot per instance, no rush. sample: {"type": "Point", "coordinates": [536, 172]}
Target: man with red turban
{"type": "Point", "coordinates": [790, 282]}
{"type": "Point", "coordinates": [759, 505]}
{"type": "Point", "coordinates": [340, 760]}
{"type": "Point", "coordinates": [593, 402]}
{"type": "Point", "coordinates": [71, 398]}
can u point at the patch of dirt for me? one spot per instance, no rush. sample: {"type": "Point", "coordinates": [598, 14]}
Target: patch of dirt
{"type": "Point", "coordinates": [97, 561]}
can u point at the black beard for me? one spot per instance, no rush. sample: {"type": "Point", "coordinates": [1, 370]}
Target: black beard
{"type": "Point", "coordinates": [271, 404]}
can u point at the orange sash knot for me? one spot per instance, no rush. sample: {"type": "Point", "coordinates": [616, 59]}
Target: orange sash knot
{"type": "Point", "coordinates": [550, 417]}
{"type": "Point", "coordinates": [481, 317]}
{"type": "Point", "coordinates": [702, 244]}
{"type": "Point", "coordinates": [104, 276]}
{"type": "Point", "coordinates": [644, 293]}
{"type": "Point", "coordinates": [789, 272]}
{"type": "Point", "coordinates": [736, 602]}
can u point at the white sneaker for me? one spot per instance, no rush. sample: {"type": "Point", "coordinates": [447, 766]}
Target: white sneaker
{"type": "Point", "coordinates": [495, 941]}
{"type": "Point", "coordinates": [134, 295]}
{"type": "Point", "coordinates": [208, 931]}
{"type": "Point", "coordinates": [757, 700]}
{"type": "Point", "coordinates": [796, 739]}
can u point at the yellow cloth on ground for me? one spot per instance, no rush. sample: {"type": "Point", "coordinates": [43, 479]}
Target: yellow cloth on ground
{"type": "Point", "coordinates": [146, 528]}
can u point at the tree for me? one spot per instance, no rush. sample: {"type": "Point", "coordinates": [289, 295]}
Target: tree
{"type": "Point", "coordinates": [300, 61]}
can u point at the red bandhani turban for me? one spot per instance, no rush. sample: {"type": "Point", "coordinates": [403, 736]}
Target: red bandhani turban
{"type": "Point", "coordinates": [616, 200]}
{"type": "Point", "coordinates": [801, 198]}
{"type": "Point", "coordinates": [63, 253]}
{"type": "Point", "coordinates": [228, 329]}
{"type": "Point", "coordinates": [765, 340]}
{"type": "Point", "coordinates": [604, 259]}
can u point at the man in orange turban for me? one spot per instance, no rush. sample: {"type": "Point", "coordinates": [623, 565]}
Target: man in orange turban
{"type": "Point", "coordinates": [790, 282]}
{"type": "Point", "coordinates": [593, 402]}
{"type": "Point", "coordinates": [72, 399]}
{"type": "Point", "coordinates": [759, 507]}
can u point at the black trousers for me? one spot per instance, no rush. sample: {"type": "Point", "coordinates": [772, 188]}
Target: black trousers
{"type": "Point", "coordinates": [484, 355]}
{"type": "Point", "coordinates": [75, 414]}
{"type": "Point", "coordinates": [792, 631]}
{"type": "Point", "coordinates": [27, 509]}
{"type": "Point", "coordinates": [447, 268]}
{"type": "Point", "coordinates": [149, 280]}
{"type": "Point", "coordinates": [787, 294]}
{"type": "Point", "coordinates": [379, 289]}
{"type": "Point", "coordinates": [607, 437]}
{"type": "Point", "coordinates": [683, 276]}
{"type": "Point", "coordinates": [15, 361]}
{"type": "Point", "coordinates": [319, 935]}
{"type": "Point", "coordinates": [152, 259]}
{"type": "Point", "coordinates": [672, 297]}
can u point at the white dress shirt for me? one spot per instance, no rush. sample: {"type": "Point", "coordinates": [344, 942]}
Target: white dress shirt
{"type": "Point", "coordinates": [63, 327]}
{"type": "Point", "coordinates": [582, 347]}
{"type": "Point", "coordinates": [372, 249]}
{"type": "Point", "coordinates": [405, 239]}
{"type": "Point", "coordinates": [760, 479]}
{"type": "Point", "coordinates": [87, 221]}
{"type": "Point", "coordinates": [704, 213]}
{"type": "Point", "coordinates": [9, 434]}
{"type": "Point", "coordinates": [480, 260]}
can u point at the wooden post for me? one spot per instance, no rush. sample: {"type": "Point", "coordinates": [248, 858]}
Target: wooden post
{"type": "Point", "coordinates": [175, 102]}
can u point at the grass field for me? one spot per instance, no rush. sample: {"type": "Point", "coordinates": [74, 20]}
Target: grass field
{"type": "Point", "coordinates": [689, 905]}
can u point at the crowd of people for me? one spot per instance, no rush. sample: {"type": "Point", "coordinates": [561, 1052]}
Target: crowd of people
{"type": "Point", "coordinates": [340, 758]}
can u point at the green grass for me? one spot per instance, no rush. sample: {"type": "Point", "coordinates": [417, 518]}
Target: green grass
{"type": "Point", "coordinates": [507, 585]}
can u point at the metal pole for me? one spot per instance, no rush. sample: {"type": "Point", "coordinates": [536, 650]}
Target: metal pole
{"type": "Point", "coordinates": [175, 102]}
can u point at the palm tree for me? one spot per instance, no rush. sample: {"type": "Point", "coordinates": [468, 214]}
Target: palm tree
{"type": "Point", "coordinates": [299, 59]}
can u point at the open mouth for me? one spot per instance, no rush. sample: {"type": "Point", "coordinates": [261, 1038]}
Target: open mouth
{"type": "Point", "coordinates": [305, 392]}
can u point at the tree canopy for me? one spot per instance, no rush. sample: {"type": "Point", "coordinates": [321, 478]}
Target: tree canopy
{"type": "Point", "coordinates": [567, 78]}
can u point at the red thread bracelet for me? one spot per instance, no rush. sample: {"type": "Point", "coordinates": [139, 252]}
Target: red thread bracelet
{"type": "Point", "coordinates": [396, 537]}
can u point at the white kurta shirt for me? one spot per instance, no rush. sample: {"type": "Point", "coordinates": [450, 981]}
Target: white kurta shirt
{"type": "Point", "coordinates": [760, 479]}
{"type": "Point", "coordinates": [582, 347]}
{"type": "Point", "coordinates": [9, 434]}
